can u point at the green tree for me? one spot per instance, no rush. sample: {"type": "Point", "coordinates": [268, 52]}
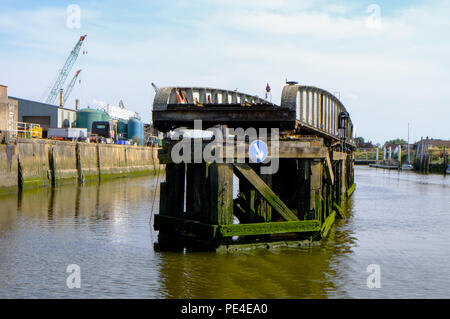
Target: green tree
{"type": "Point", "coordinates": [397, 141]}
{"type": "Point", "coordinates": [359, 140]}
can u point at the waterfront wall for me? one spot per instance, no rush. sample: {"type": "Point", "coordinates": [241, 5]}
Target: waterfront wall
{"type": "Point", "coordinates": [431, 163]}
{"type": "Point", "coordinates": [8, 168]}
{"type": "Point", "coordinates": [116, 160]}
{"type": "Point", "coordinates": [88, 166]}
{"type": "Point", "coordinates": [35, 163]}
{"type": "Point", "coordinates": [63, 162]}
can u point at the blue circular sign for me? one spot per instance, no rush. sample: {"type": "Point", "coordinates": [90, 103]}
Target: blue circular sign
{"type": "Point", "coordinates": [257, 151]}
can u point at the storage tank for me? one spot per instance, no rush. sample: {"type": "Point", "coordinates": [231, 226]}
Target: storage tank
{"type": "Point", "coordinates": [136, 130]}
{"type": "Point", "coordinates": [105, 116]}
{"type": "Point", "coordinates": [122, 129]}
{"type": "Point", "coordinates": [86, 116]}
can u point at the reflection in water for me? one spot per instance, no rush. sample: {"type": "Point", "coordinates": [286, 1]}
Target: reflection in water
{"type": "Point", "coordinates": [99, 227]}
{"type": "Point", "coordinates": [286, 273]}
{"type": "Point", "coordinates": [397, 220]}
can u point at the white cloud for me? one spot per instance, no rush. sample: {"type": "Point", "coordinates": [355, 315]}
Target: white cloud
{"type": "Point", "coordinates": [385, 76]}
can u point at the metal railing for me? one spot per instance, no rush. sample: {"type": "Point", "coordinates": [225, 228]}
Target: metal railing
{"type": "Point", "coordinates": [314, 108]}
{"type": "Point", "coordinates": [319, 110]}
{"type": "Point", "coordinates": [202, 95]}
{"type": "Point", "coordinates": [27, 130]}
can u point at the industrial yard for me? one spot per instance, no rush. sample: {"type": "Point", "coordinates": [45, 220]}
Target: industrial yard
{"type": "Point", "coordinates": [43, 143]}
{"type": "Point", "coordinates": [52, 118]}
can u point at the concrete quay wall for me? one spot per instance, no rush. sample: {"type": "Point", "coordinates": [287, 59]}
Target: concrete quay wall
{"type": "Point", "coordinates": [32, 163]}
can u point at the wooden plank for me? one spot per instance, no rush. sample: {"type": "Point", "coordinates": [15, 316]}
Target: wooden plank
{"type": "Point", "coordinates": [164, 158]}
{"type": "Point", "coordinates": [269, 228]}
{"type": "Point", "coordinates": [340, 211]}
{"type": "Point", "coordinates": [163, 199]}
{"type": "Point", "coordinates": [327, 224]}
{"type": "Point", "coordinates": [175, 174]}
{"type": "Point", "coordinates": [301, 152]}
{"type": "Point", "coordinates": [339, 156]}
{"type": "Point", "coordinates": [351, 190]}
{"type": "Point", "coordinates": [316, 188]}
{"type": "Point", "coordinates": [303, 187]}
{"type": "Point", "coordinates": [197, 229]}
{"type": "Point", "coordinates": [185, 227]}
{"type": "Point", "coordinates": [196, 194]}
{"type": "Point", "coordinates": [337, 182]}
{"type": "Point", "coordinates": [344, 178]}
{"type": "Point", "coordinates": [220, 194]}
{"type": "Point", "coordinates": [330, 168]}
{"type": "Point", "coordinates": [260, 210]}
{"type": "Point", "coordinates": [244, 171]}
{"type": "Point", "coordinates": [303, 148]}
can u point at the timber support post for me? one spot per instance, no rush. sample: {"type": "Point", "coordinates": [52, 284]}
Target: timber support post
{"type": "Point", "coordinates": [231, 205]}
{"type": "Point", "coordinates": [218, 195]}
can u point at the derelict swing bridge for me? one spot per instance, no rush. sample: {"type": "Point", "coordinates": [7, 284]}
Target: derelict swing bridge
{"type": "Point", "coordinates": [294, 205]}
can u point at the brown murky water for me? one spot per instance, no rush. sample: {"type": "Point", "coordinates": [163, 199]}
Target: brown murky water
{"type": "Point", "coordinates": [399, 221]}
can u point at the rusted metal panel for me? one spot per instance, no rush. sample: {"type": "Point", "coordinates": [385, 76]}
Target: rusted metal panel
{"type": "Point", "coordinates": [232, 116]}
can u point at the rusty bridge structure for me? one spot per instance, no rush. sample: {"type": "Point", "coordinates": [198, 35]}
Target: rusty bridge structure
{"type": "Point", "coordinates": [233, 203]}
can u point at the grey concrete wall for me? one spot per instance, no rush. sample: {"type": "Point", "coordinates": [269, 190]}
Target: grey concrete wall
{"type": "Point", "coordinates": [34, 163]}
{"type": "Point", "coordinates": [8, 168]}
{"type": "Point", "coordinates": [64, 162]}
{"type": "Point", "coordinates": [112, 160]}
{"type": "Point", "coordinates": [88, 161]}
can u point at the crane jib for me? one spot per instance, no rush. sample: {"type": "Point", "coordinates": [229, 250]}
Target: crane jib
{"type": "Point", "coordinates": [64, 72]}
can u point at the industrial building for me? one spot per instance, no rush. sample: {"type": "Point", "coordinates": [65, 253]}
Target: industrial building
{"type": "Point", "coordinates": [46, 115]}
{"type": "Point", "coordinates": [8, 110]}
{"type": "Point", "coordinates": [32, 119]}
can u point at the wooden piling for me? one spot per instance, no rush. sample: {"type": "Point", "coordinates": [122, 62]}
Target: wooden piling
{"type": "Point", "coordinates": [296, 203]}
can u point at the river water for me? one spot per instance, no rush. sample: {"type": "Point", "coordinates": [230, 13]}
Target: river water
{"type": "Point", "coordinates": [399, 221]}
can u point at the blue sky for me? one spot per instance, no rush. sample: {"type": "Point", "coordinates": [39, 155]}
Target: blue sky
{"type": "Point", "coordinates": [387, 74]}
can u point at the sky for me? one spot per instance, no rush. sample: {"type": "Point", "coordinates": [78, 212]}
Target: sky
{"type": "Point", "coordinates": [388, 61]}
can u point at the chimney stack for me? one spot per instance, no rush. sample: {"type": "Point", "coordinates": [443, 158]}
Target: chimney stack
{"type": "Point", "coordinates": [77, 104]}
{"type": "Point", "coordinates": [61, 98]}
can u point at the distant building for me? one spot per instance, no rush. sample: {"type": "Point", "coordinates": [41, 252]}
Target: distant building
{"type": "Point", "coordinates": [116, 112]}
{"type": "Point", "coordinates": [120, 112]}
{"type": "Point", "coordinates": [46, 115]}
{"type": "Point", "coordinates": [424, 144]}
{"type": "Point", "coordinates": [411, 147]}
{"type": "Point", "coordinates": [367, 145]}
{"type": "Point", "coordinates": [8, 111]}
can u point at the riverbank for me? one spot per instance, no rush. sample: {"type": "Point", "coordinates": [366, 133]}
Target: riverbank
{"type": "Point", "coordinates": [30, 163]}
{"type": "Point", "coordinates": [431, 168]}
